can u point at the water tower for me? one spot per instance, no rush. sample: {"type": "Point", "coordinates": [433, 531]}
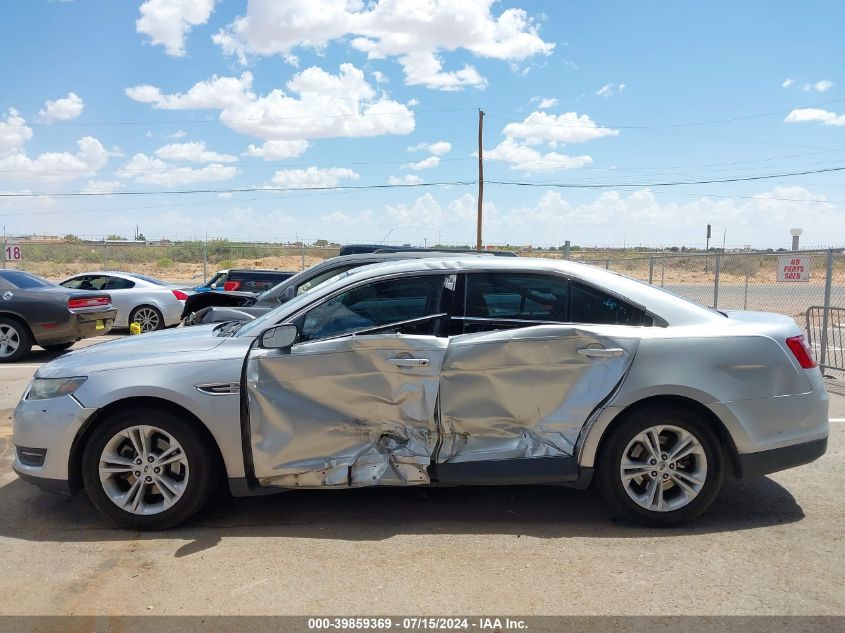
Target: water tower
{"type": "Point", "coordinates": [796, 235]}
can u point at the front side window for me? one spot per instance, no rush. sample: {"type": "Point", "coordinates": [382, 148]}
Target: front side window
{"type": "Point", "coordinates": [375, 305]}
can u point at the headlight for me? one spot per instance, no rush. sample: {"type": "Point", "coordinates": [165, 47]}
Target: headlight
{"type": "Point", "coordinates": [44, 388]}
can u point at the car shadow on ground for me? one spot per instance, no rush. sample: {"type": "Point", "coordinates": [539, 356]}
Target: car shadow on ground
{"type": "Point", "coordinates": [379, 513]}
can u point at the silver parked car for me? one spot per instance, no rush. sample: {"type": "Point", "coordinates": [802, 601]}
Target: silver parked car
{"type": "Point", "coordinates": [427, 372]}
{"type": "Point", "coordinates": [151, 303]}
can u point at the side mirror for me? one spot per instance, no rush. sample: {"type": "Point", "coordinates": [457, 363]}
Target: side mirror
{"type": "Point", "coordinates": [279, 336]}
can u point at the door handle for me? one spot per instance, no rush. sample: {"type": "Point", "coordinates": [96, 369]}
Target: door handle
{"type": "Point", "coordinates": [601, 352]}
{"type": "Point", "coordinates": [409, 362]}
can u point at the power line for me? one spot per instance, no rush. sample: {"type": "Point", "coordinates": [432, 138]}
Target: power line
{"type": "Point", "coordinates": [92, 194]}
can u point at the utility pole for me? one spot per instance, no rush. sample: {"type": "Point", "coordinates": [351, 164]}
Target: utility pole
{"type": "Point", "coordinates": [478, 244]}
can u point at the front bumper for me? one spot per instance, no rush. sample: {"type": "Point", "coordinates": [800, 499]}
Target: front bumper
{"type": "Point", "coordinates": [50, 426]}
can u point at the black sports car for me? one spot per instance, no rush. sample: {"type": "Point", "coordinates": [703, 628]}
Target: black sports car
{"type": "Point", "coordinates": [36, 311]}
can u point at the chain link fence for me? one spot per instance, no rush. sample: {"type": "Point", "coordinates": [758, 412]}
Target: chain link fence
{"type": "Point", "coordinates": [179, 262]}
{"type": "Point", "coordinates": [766, 281]}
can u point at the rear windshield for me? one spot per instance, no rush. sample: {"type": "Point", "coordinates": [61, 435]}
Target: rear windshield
{"type": "Point", "coordinates": [152, 280]}
{"type": "Point", "coordinates": [24, 281]}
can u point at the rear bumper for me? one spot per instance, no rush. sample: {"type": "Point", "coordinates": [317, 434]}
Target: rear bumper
{"type": "Point", "coordinates": [765, 462]}
{"type": "Point", "coordinates": [80, 325]}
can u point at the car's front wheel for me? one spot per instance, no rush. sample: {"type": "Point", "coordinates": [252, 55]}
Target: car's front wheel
{"type": "Point", "coordinates": [148, 469]}
{"type": "Point", "coordinates": [661, 466]}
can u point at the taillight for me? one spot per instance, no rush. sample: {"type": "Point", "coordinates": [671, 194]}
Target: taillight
{"type": "Point", "coordinates": [231, 285]}
{"type": "Point", "coordinates": [180, 295]}
{"type": "Point", "coordinates": [802, 351]}
{"type": "Point", "coordinates": [87, 302]}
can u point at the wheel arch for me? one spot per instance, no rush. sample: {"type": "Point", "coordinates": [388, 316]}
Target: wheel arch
{"type": "Point", "coordinates": [597, 433]}
{"type": "Point", "coordinates": [6, 314]}
{"type": "Point", "coordinates": [79, 442]}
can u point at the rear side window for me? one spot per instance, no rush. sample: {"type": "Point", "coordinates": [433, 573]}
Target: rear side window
{"type": "Point", "coordinates": [118, 283]}
{"type": "Point", "coordinates": [516, 296]}
{"type": "Point", "coordinates": [590, 305]}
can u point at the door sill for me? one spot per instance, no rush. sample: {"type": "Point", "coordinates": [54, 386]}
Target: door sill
{"type": "Point", "coordinates": [531, 470]}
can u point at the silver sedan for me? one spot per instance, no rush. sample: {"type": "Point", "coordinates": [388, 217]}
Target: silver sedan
{"type": "Point", "coordinates": [452, 371]}
{"type": "Point", "coordinates": [151, 303]}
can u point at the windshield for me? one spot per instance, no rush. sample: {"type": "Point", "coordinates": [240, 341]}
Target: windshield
{"type": "Point", "coordinates": [253, 328]}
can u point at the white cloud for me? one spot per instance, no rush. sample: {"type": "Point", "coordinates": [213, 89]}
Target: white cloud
{"type": "Point", "coordinates": [195, 152]}
{"type": "Point", "coordinates": [63, 109]}
{"type": "Point", "coordinates": [564, 128]}
{"type": "Point", "coordinates": [103, 186]}
{"type": "Point", "coordinates": [407, 179]}
{"type": "Point", "coordinates": [14, 133]}
{"type": "Point", "coordinates": [342, 105]}
{"type": "Point", "coordinates": [167, 22]}
{"type": "Point", "coordinates": [824, 117]}
{"type": "Point", "coordinates": [820, 86]}
{"type": "Point", "coordinates": [424, 212]}
{"type": "Point", "coordinates": [427, 163]}
{"type": "Point", "coordinates": [312, 177]}
{"type": "Point", "coordinates": [438, 148]}
{"type": "Point", "coordinates": [550, 102]}
{"type": "Point", "coordinates": [380, 77]}
{"type": "Point", "coordinates": [154, 171]}
{"type": "Point", "coordinates": [527, 159]}
{"type": "Point", "coordinates": [177, 135]}
{"type": "Point", "coordinates": [608, 90]}
{"type": "Point", "coordinates": [50, 166]}
{"type": "Point", "coordinates": [277, 150]}
{"type": "Point", "coordinates": [787, 83]}
{"type": "Point", "coordinates": [414, 32]}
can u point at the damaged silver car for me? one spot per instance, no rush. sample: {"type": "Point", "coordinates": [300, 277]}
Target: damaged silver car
{"type": "Point", "coordinates": [439, 371]}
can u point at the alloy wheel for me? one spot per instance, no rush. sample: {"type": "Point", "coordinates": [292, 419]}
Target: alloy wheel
{"type": "Point", "coordinates": [10, 340]}
{"type": "Point", "coordinates": [147, 318]}
{"type": "Point", "coordinates": [663, 468]}
{"type": "Point", "coordinates": [143, 470]}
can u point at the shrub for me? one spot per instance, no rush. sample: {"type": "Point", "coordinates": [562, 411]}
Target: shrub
{"type": "Point", "coordinates": [164, 262]}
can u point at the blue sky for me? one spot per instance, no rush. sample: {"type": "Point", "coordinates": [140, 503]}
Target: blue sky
{"type": "Point", "coordinates": [164, 95]}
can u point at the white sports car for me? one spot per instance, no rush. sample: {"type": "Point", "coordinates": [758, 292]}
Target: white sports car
{"type": "Point", "coordinates": [151, 303]}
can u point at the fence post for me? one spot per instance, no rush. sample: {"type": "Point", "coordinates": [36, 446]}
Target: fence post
{"type": "Point", "coordinates": [4, 247]}
{"type": "Point", "coordinates": [567, 252]}
{"type": "Point", "coordinates": [717, 264]}
{"type": "Point", "coordinates": [105, 255]}
{"type": "Point", "coordinates": [828, 282]}
{"type": "Point", "coordinates": [205, 260]}
{"type": "Point", "coordinates": [302, 257]}
{"type": "Point", "coordinates": [607, 264]}
{"type": "Point", "coordinates": [651, 269]}
{"type": "Point", "coordinates": [662, 270]}
{"type": "Point", "coordinates": [745, 297]}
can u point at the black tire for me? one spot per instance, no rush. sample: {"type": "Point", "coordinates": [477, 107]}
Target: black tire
{"type": "Point", "coordinates": [160, 318]}
{"type": "Point", "coordinates": [203, 467]}
{"type": "Point", "coordinates": [18, 332]}
{"type": "Point", "coordinates": [58, 347]}
{"type": "Point", "coordinates": [610, 457]}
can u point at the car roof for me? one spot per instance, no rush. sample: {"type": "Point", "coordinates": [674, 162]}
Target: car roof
{"type": "Point", "coordinates": [673, 309]}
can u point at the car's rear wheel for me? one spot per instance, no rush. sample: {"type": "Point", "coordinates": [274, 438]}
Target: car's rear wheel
{"type": "Point", "coordinates": [661, 466]}
{"type": "Point", "coordinates": [59, 347]}
{"type": "Point", "coordinates": [148, 318]}
{"type": "Point", "coordinates": [15, 340]}
{"type": "Point", "coordinates": [148, 469]}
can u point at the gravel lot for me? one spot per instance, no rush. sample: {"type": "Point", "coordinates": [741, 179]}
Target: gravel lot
{"type": "Point", "coordinates": [772, 545]}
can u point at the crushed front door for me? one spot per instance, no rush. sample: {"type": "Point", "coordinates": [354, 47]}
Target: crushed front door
{"type": "Point", "coordinates": [349, 411]}
{"type": "Point", "coordinates": [526, 393]}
